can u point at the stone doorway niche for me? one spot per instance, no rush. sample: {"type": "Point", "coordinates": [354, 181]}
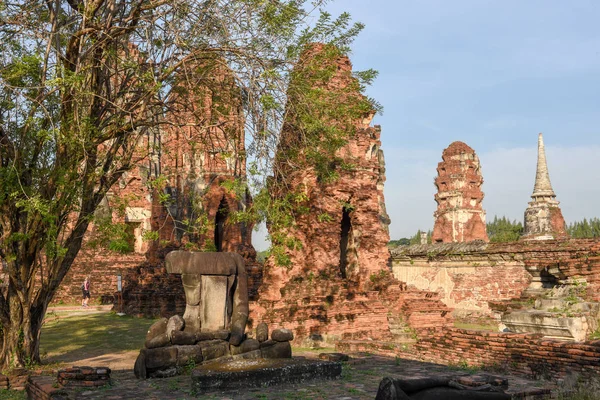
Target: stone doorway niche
{"type": "Point", "coordinates": [548, 280]}
{"type": "Point", "coordinates": [346, 231]}
{"type": "Point", "coordinates": [220, 220]}
{"type": "Point", "coordinates": [134, 236]}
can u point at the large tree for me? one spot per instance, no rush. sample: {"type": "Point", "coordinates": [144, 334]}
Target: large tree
{"type": "Point", "coordinates": [81, 82]}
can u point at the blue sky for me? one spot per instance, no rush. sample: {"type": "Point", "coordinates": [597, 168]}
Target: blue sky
{"type": "Point", "coordinates": [492, 74]}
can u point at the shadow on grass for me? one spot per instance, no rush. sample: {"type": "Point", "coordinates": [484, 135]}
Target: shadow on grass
{"type": "Point", "coordinates": [73, 338]}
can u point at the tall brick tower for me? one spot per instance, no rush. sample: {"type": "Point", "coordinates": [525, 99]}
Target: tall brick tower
{"type": "Point", "coordinates": [459, 216]}
{"type": "Point", "coordinates": [338, 283]}
{"type": "Point", "coordinates": [543, 217]}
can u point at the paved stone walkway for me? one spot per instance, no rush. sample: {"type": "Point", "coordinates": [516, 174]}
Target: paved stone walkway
{"type": "Point", "coordinates": [360, 380]}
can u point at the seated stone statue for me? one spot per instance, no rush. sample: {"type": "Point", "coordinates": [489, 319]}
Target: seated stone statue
{"type": "Point", "coordinates": [214, 321]}
{"type": "Point", "coordinates": [216, 292]}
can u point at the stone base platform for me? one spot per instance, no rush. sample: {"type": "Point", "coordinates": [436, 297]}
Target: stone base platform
{"type": "Point", "coordinates": [242, 374]}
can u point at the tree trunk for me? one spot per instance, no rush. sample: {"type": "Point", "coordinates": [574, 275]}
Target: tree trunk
{"type": "Point", "coordinates": [20, 338]}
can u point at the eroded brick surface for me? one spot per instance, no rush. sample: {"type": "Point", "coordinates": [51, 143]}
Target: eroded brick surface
{"type": "Point", "coordinates": [459, 216]}
{"type": "Point", "coordinates": [338, 284]}
{"type": "Point", "coordinates": [474, 278]}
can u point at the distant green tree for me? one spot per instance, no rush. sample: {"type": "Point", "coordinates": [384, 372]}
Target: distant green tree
{"type": "Point", "coordinates": [416, 239]}
{"type": "Point", "coordinates": [584, 229]}
{"type": "Point", "coordinates": [502, 230]}
{"type": "Point", "coordinates": [261, 256]}
{"type": "Point", "coordinates": [82, 83]}
{"type": "Point", "coordinates": [400, 242]}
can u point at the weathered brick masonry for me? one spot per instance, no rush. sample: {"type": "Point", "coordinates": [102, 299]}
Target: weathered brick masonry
{"type": "Point", "coordinates": [338, 284]}
{"type": "Point", "coordinates": [527, 354]}
{"type": "Point", "coordinates": [459, 216]}
{"type": "Point", "coordinates": [102, 267]}
{"type": "Point", "coordinates": [471, 277]}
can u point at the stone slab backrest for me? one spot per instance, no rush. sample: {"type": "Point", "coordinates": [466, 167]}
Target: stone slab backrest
{"type": "Point", "coordinates": [216, 289]}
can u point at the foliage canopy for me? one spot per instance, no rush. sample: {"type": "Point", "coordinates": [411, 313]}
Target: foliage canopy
{"type": "Point", "coordinates": [81, 82]}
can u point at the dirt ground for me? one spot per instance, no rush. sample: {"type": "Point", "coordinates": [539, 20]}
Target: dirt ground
{"type": "Point", "coordinates": [99, 339]}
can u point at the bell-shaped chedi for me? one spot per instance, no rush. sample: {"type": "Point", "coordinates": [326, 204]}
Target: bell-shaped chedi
{"type": "Point", "coordinates": [459, 216]}
{"type": "Point", "coordinates": [333, 230]}
{"type": "Point", "coordinates": [543, 217]}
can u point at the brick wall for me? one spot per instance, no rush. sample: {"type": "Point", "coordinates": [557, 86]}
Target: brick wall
{"type": "Point", "coordinates": [322, 309]}
{"type": "Point", "coordinates": [151, 292]}
{"type": "Point", "coordinates": [102, 267]}
{"type": "Point", "coordinates": [468, 277]}
{"type": "Point", "coordinates": [527, 354]}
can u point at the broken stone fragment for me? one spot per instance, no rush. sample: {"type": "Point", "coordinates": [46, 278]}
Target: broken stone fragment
{"type": "Point", "coordinates": [282, 335]}
{"type": "Point", "coordinates": [262, 332]}
{"type": "Point", "coordinates": [273, 349]}
{"type": "Point", "coordinates": [203, 336]}
{"type": "Point", "coordinates": [245, 347]}
{"type": "Point", "coordinates": [389, 390]}
{"type": "Point", "coordinates": [158, 341]}
{"type": "Point", "coordinates": [139, 368]}
{"type": "Point", "coordinates": [162, 357]}
{"type": "Point", "coordinates": [214, 349]}
{"type": "Point", "coordinates": [157, 329]}
{"type": "Point", "coordinates": [175, 324]}
{"type": "Point", "coordinates": [187, 355]}
{"type": "Point", "coordinates": [183, 338]}
{"type": "Point", "coordinates": [236, 338]}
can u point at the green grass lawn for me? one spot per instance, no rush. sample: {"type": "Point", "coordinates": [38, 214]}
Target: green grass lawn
{"type": "Point", "coordinates": [12, 395]}
{"type": "Point", "coordinates": [70, 338]}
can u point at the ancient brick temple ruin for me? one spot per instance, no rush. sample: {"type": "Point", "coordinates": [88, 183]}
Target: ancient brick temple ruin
{"type": "Point", "coordinates": [543, 217]}
{"type": "Point", "coordinates": [521, 285]}
{"type": "Point", "coordinates": [201, 150]}
{"type": "Point", "coordinates": [459, 216]}
{"type": "Point", "coordinates": [187, 181]}
{"type": "Point", "coordinates": [338, 284]}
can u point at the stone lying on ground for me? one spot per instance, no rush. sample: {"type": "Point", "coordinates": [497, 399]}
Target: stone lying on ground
{"type": "Point", "coordinates": [175, 324]}
{"type": "Point", "coordinates": [481, 387]}
{"type": "Point", "coordinates": [165, 373]}
{"type": "Point", "coordinates": [17, 378]}
{"type": "Point", "coordinates": [243, 374]}
{"type": "Point", "coordinates": [282, 335]}
{"type": "Point", "coordinates": [262, 332]}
